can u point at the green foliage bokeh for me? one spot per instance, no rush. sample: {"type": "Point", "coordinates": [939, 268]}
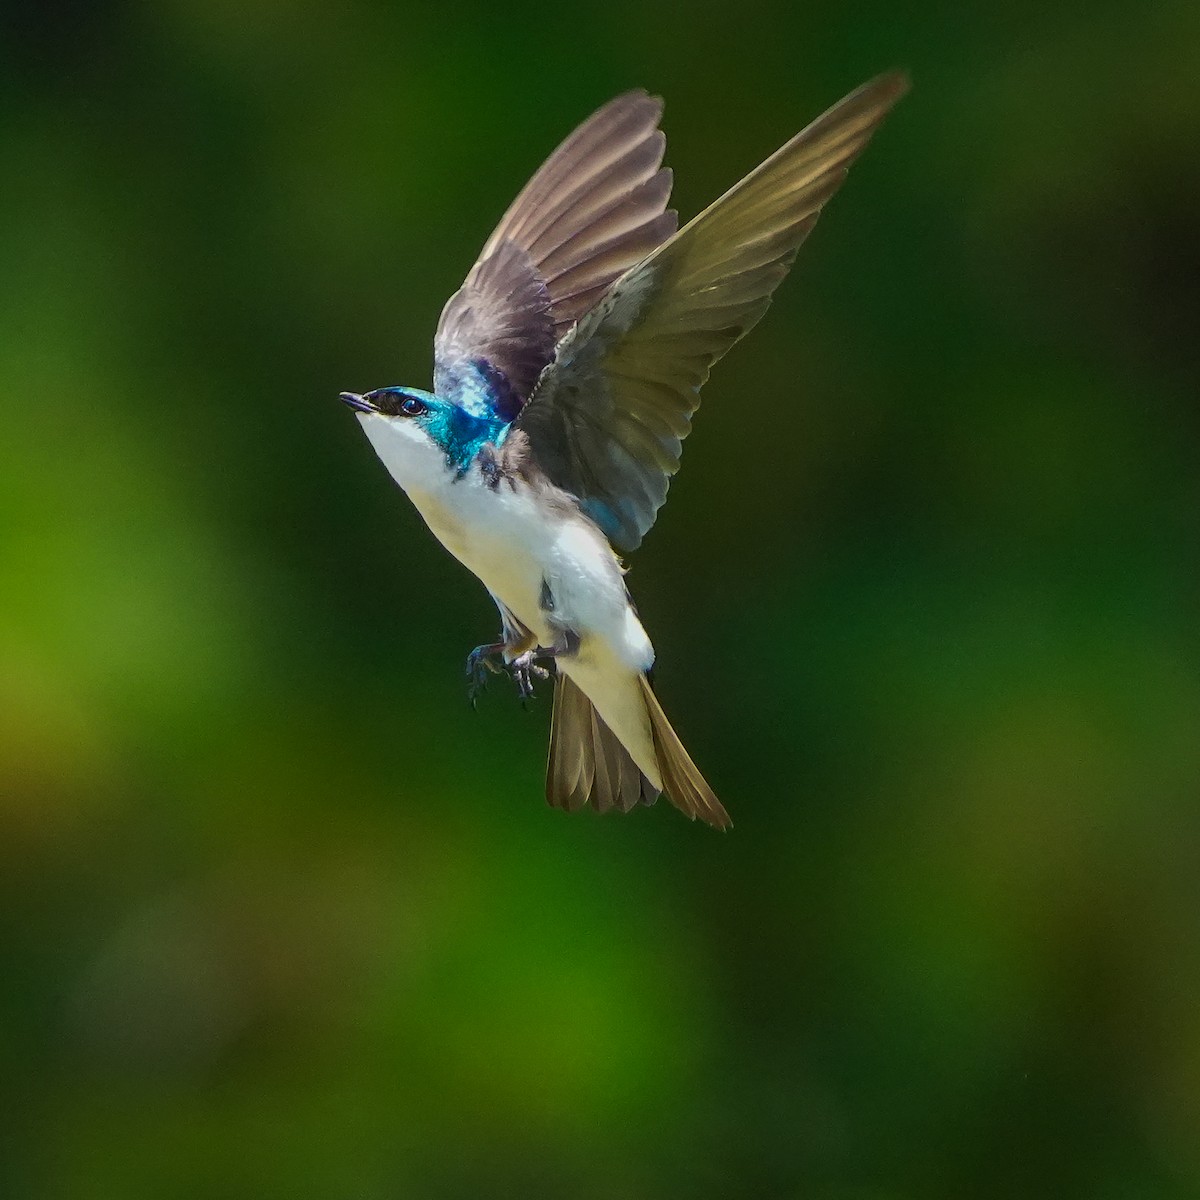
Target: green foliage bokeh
{"type": "Point", "coordinates": [280, 917]}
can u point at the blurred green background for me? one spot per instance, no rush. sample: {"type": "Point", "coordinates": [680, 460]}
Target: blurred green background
{"type": "Point", "coordinates": [280, 917]}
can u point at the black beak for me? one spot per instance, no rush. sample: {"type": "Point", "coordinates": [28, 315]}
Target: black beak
{"type": "Point", "coordinates": [357, 402]}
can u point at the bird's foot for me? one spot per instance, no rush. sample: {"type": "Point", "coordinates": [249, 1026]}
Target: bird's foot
{"type": "Point", "coordinates": [524, 670]}
{"type": "Point", "coordinates": [492, 660]}
{"type": "Point", "coordinates": [482, 662]}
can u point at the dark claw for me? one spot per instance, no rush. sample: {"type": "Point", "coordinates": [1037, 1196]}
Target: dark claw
{"type": "Point", "coordinates": [481, 662]}
{"type": "Point", "coordinates": [489, 660]}
{"type": "Point", "coordinates": [524, 684]}
{"type": "Point", "coordinates": [524, 671]}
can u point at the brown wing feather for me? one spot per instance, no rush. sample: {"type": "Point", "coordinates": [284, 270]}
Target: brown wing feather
{"type": "Point", "coordinates": [594, 208]}
{"type": "Point", "coordinates": [609, 416]}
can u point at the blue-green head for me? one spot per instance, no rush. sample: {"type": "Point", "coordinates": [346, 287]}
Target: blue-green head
{"type": "Point", "coordinates": [407, 426]}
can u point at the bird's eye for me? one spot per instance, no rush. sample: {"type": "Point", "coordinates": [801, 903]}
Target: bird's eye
{"type": "Point", "coordinates": [410, 406]}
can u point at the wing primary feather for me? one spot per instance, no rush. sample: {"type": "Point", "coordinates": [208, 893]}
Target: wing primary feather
{"type": "Point", "coordinates": [592, 149]}
{"type": "Point", "coordinates": [637, 358]}
{"type": "Point", "coordinates": [594, 208]}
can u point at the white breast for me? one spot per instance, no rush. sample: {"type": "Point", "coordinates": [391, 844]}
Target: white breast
{"type": "Point", "coordinates": [517, 545]}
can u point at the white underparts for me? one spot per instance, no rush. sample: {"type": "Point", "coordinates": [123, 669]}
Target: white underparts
{"type": "Point", "coordinates": [525, 551]}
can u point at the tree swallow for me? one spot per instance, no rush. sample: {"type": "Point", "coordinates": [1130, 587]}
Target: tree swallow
{"type": "Point", "coordinates": [567, 368]}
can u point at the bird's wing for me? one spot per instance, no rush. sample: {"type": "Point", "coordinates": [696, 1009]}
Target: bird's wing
{"type": "Point", "coordinates": [609, 415]}
{"type": "Point", "coordinates": [595, 207]}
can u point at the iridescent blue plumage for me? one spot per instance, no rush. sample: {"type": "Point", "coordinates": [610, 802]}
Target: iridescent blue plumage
{"type": "Point", "coordinates": [585, 330]}
{"type": "Point", "coordinates": [459, 430]}
{"type": "Point", "coordinates": [596, 208]}
{"type": "Point", "coordinates": [479, 387]}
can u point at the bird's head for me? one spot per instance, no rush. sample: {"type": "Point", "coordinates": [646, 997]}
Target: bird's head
{"type": "Point", "coordinates": [419, 436]}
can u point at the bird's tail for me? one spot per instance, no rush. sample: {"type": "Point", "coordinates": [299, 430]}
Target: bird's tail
{"type": "Point", "coordinates": [589, 765]}
{"type": "Point", "coordinates": [685, 787]}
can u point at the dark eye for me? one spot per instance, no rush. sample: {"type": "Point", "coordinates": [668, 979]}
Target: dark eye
{"type": "Point", "coordinates": [410, 406]}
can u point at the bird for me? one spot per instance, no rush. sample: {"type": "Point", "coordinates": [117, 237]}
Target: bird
{"type": "Point", "coordinates": [567, 369]}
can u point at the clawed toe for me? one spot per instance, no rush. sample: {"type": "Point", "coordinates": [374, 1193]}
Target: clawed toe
{"type": "Point", "coordinates": [524, 671]}
{"type": "Point", "coordinates": [481, 663]}
{"type": "Point", "coordinates": [489, 660]}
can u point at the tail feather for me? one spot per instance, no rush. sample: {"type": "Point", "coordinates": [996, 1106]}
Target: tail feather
{"type": "Point", "coordinates": [685, 787]}
{"type": "Point", "coordinates": [589, 765]}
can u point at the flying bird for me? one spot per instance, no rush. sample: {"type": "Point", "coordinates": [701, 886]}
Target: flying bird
{"type": "Point", "coordinates": [567, 369]}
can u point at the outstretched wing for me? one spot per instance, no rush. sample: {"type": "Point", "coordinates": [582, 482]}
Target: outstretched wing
{"type": "Point", "coordinates": [609, 416]}
{"type": "Point", "coordinates": [594, 208]}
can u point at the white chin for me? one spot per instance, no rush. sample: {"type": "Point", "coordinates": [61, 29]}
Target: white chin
{"type": "Point", "coordinates": [404, 448]}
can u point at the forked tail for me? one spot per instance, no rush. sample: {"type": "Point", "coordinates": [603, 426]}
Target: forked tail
{"type": "Point", "coordinates": [589, 765]}
{"type": "Point", "coordinates": [685, 787]}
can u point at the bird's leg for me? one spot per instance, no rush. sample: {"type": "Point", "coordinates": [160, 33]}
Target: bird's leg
{"type": "Point", "coordinates": [525, 667]}
{"type": "Point", "coordinates": [496, 658]}
{"type": "Point", "coordinates": [524, 670]}
{"type": "Point", "coordinates": [516, 658]}
{"type": "Point", "coordinates": [480, 663]}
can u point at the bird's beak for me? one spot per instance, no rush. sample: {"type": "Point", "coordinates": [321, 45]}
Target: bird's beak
{"type": "Point", "coordinates": [357, 402]}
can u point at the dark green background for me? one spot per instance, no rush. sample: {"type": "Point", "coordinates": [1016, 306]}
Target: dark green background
{"type": "Point", "coordinates": [280, 917]}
